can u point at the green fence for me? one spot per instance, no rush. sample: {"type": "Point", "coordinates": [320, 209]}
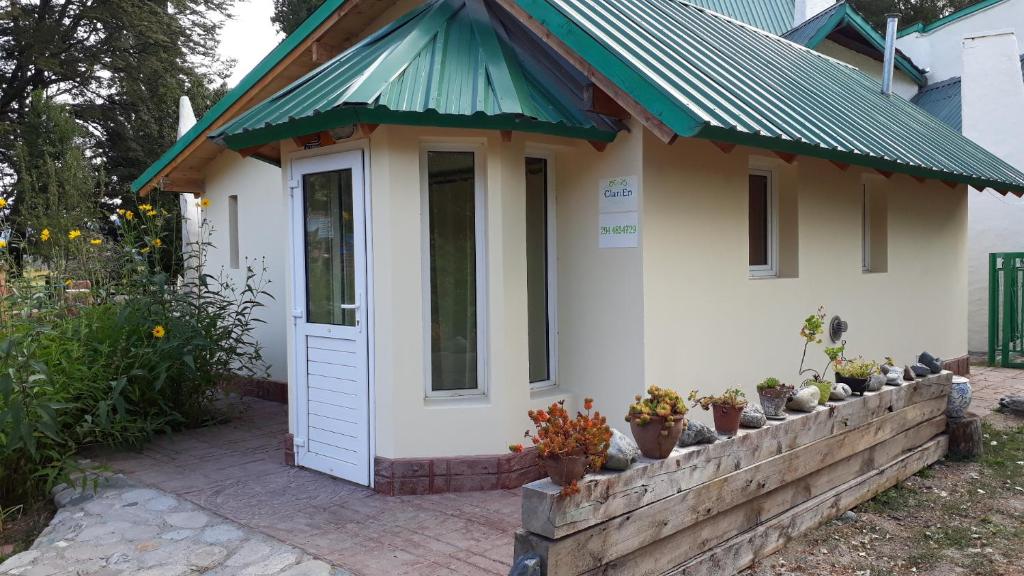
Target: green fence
{"type": "Point", "coordinates": [1005, 309]}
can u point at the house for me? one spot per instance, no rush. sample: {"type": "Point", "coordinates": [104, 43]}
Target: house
{"type": "Point", "coordinates": [485, 206]}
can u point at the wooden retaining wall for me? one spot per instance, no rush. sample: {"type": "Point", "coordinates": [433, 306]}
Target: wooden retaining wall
{"type": "Point", "coordinates": [715, 509]}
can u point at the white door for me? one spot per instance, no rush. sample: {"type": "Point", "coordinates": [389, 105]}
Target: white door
{"type": "Point", "coordinates": [333, 424]}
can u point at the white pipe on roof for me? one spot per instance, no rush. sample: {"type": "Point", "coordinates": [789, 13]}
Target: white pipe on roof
{"type": "Point", "coordinates": [891, 23]}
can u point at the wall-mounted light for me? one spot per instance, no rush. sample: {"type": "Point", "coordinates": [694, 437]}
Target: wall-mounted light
{"type": "Point", "coordinates": [836, 328]}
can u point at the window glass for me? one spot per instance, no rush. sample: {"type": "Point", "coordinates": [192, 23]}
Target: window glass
{"type": "Point", "coordinates": [330, 248]}
{"type": "Point", "coordinates": [451, 200]}
{"type": "Point", "coordinates": [537, 280]}
{"type": "Point", "coordinates": [759, 220]}
{"type": "Point", "coordinates": [865, 245]}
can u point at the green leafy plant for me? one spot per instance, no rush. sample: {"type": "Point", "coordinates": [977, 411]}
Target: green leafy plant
{"type": "Point", "coordinates": [733, 397]}
{"type": "Point", "coordinates": [659, 403]}
{"type": "Point", "coordinates": [858, 368]}
{"type": "Point", "coordinates": [811, 332]}
{"type": "Point", "coordinates": [769, 383]}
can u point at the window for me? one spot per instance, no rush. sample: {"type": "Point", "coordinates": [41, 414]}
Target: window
{"type": "Point", "coordinates": [540, 273]}
{"type": "Point", "coordinates": [761, 222]}
{"type": "Point", "coordinates": [454, 264]}
{"type": "Point", "coordinates": [865, 230]}
{"type": "Point", "coordinates": [329, 246]}
{"type": "Point", "coordinates": [233, 231]}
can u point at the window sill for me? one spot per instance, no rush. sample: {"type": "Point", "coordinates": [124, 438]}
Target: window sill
{"type": "Point", "coordinates": [544, 390]}
{"type": "Point", "coordinates": [457, 401]}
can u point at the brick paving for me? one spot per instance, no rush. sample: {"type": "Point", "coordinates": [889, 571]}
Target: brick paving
{"type": "Point", "coordinates": [236, 470]}
{"type": "Point", "coordinates": [991, 384]}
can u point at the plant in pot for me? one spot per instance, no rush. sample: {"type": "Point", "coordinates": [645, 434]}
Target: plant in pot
{"type": "Point", "coordinates": [855, 373]}
{"type": "Point", "coordinates": [657, 420]}
{"type": "Point", "coordinates": [773, 395]}
{"type": "Point", "coordinates": [726, 409]}
{"type": "Point", "coordinates": [811, 332]}
{"type": "Point", "coordinates": [567, 446]}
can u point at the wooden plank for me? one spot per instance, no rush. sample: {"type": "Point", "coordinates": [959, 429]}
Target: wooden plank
{"type": "Point", "coordinates": [619, 536]}
{"type": "Point", "coordinates": [606, 495]}
{"type": "Point", "coordinates": [696, 539]}
{"type": "Point", "coordinates": [745, 549]}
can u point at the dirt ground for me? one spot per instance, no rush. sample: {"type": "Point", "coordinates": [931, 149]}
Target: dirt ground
{"type": "Point", "coordinates": [19, 527]}
{"type": "Point", "coordinates": [954, 518]}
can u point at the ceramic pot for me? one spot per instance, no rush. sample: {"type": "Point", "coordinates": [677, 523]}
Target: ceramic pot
{"type": "Point", "coordinates": [727, 418]}
{"type": "Point", "coordinates": [959, 397]}
{"type": "Point", "coordinates": [650, 439]}
{"type": "Point", "coordinates": [857, 385]}
{"type": "Point", "coordinates": [773, 401]}
{"type": "Point", "coordinates": [565, 469]}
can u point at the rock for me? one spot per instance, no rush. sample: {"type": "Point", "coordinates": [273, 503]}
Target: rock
{"type": "Point", "coordinates": [908, 374]}
{"type": "Point", "coordinates": [893, 378]}
{"type": "Point", "coordinates": [920, 370]}
{"type": "Point", "coordinates": [187, 519]}
{"type": "Point", "coordinates": [840, 391]}
{"type": "Point", "coordinates": [933, 364]}
{"type": "Point", "coordinates": [220, 534]}
{"type": "Point", "coordinates": [805, 400]}
{"type": "Point", "coordinates": [697, 433]}
{"type": "Point", "coordinates": [527, 565]}
{"type": "Point", "coordinates": [753, 417]}
{"type": "Point", "coordinates": [1012, 404]}
{"type": "Point", "coordinates": [847, 517]}
{"type": "Point", "coordinates": [875, 383]}
{"type": "Point", "coordinates": [309, 568]}
{"type": "Point", "coordinates": [622, 451]}
{"type": "Point", "coordinates": [19, 561]}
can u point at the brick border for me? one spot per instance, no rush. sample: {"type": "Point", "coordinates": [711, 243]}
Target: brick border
{"type": "Point", "coordinates": [289, 449]}
{"type": "Point", "coordinates": [961, 365]}
{"type": "Point", "coordinates": [270, 390]}
{"type": "Point", "coordinates": [416, 476]}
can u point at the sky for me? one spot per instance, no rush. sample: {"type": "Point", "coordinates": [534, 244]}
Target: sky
{"type": "Point", "coordinates": [249, 36]}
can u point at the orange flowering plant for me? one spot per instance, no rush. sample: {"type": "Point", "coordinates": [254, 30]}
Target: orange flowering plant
{"type": "Point", "coordinates": [660, 402]}
{"type": "Point", "coordinates": [560, 435]}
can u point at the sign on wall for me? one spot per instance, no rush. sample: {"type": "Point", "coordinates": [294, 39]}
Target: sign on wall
{"type": "Point", "coordinates": [619, 219]}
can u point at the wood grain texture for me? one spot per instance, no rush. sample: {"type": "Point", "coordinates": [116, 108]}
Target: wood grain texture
{"type": "Point", "coordinates": [608, 495]}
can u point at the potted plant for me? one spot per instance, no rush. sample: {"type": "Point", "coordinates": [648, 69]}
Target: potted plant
{"type": "Point", "coordinates": [567, 446]}
{"type": "Point", "coordinates": [726, 409]}
{"type": "Point", "coordinates": [811, 331]}
{"type": "Point", "coordinates": [773, 395]}
{"type": "Point", "coordinates": [855, 373]}
{"type": "Point", "coordinates": [657, 421]}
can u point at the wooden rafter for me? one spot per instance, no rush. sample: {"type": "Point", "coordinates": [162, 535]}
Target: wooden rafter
{"type": "Point", "coordinates": [598, 145]}
{"type": "Point", "coordinates": [841, 165]}
{"type": "Point", "coordinates": [885, 173]}
{"type": "Point", "coordinates": [598, 101]}
{"type": "Point", "coordinates": [178, 184]}
{"type": "Point", "coordinates": [725, 147]}
{"type": "Point", "coordinates": [786, 157]}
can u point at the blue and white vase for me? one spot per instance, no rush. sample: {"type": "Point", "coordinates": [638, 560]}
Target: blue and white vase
{"type": "Point", "coordinates": [959, 397]}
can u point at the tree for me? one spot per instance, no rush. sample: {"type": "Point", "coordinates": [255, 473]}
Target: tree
{"type": "Point", "coordinates": [290, 14]}
{"type": "Point", "coordinates": [910, 11]}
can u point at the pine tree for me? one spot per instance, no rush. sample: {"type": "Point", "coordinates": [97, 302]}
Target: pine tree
{"type": "Point", "coordinates": [910, 11]}
{"type": "Point", "coordinates": [289, 14]}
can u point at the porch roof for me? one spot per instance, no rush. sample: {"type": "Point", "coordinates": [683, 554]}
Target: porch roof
{"type": "Point", "coordinates": [695, 73]}
{"type": "Point", "coordinates": [459, 63]}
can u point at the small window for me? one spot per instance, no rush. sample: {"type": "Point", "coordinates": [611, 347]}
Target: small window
{"type": "Point", "coordinates": [865, 232]}
{"type": "Point", "coordinates": [233, 231]}
{"type": "Point", "coordinates": [454, 242]}
{"type": "Point", "coordinates": [539, 273]}
{"type": "Point", "coordinates": [874, 230]}
{"type": "Point", "coordinates": [761, 214]}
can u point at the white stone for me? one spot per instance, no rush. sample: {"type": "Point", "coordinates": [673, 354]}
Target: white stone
{"type": "Point", "coordinates": [178, 534]}
{"type": "Point", "coordinates": [162, 503]}
{"type": "Point", "coordinates": [840, 391]}
{"type": "Point", "coordinates": [170, 570]}
{"type": "Point", "coordinates": [251, 552]}
{"type": "Point", "coordinates": [805, 400]}
{"type": "Point", "coordinates": [19, 560]}
{"type": "Point", "coordinates": [220, 534]}
{"type": "Point", "coordinates": [207, 557]}
{"type": "Point", "coordinates": [622, 451]}
{"type": "Point", "coordinates": [187, 519]}
{"type": "Point", "coordinates": [271, 565]}
{"type": "Point", "coordinates": [309, 568]}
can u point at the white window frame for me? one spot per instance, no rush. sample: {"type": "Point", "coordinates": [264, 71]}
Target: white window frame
{"type": "Point", "coordinates": [480, 198]}
{"type": "Point", "coordinates": [770, 270]}
{"type": "Point", "coordinates": [865, 229]}
{"type": "Point", "coordinates": [552, 262]}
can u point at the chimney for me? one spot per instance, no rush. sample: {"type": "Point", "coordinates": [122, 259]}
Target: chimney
{"type": "Point", "coordinates": [186, 117]}
{"type": "Point", "coordinates": [891, 22]}
{"type": "Point", "coordinates": [804, 10]}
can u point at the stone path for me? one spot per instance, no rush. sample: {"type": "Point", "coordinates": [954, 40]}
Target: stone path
{"type": "Point", "coordinates": [126, 529]}
{"type": "Point", "coordinates": [991, 384]}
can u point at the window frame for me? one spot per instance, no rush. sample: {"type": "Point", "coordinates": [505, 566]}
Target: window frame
{"type": "Point", "coordinates": [552, 266]}
{"type": "Point", "coordinates": [865, 229]}
{"type": "Point", "coordinates": [480, 228]}
{"type": "Point", "coordinates": [770, 270]}
{"type": "Point", "coordinates": [234, 261]}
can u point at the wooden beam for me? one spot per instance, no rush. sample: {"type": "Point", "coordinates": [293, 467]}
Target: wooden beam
{"type": "Point", "coordinates": [659, 128]}
{"type": "Point", "coordinates": [786, 157]}
{"type": "Point", "coordinates": [951, 184]}
{"type": "Point", "coordinates": [506, 136]}
{"type": "Point", "coordinates": [594, 548]}
{"type": "Point", "coordinates": [919, 179]}
{"type": "Point", "coordinates": [315, 140]}
{"type": "Point", "coordinates": [254, 93]}
{"type": "Point", "coordinates": [598, 145]}
{"type": "Point", "coordinates": [608, 495]}
{"type": "Point", "coordinates": [368, 129]}
{"type": "Point", "coordinates": [246, 152]}
{"type": "Point", "coordinates": [725, 147]}
{"type": "Point", "coordinates": [598, 101]}
{"type": "Point", "coordinates": [188, 185]}
{"type": "Point", "coordinates": [841, 165]}
{"type": "Point", "coordinates": [321, 52]}
{"type": "Point", "coordinates": [885, 173]}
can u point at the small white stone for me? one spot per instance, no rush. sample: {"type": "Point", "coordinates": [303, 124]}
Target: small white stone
{"type": "Point", "coordinates": [271, 565]}
{"type": "Point", "coordinates": [250, 553]}
{"type": "Point", "coordinates": [220, 534]}
{"type": "Point", "coordinates": [186, 519]}
{"type": "Point", "coordinates": [207, 557]}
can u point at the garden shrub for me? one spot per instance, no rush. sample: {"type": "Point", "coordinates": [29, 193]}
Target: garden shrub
{"type": "Point", "coordinates": [99, 346]}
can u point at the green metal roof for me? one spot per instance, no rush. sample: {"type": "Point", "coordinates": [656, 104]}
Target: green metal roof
{"type": "Point", "coordinates": [942, 100]}
{"type": "Point", "coordinates": [775, 16]}
{"type": "Point", "coordinates": [463, 63]}
{"type": "Point", "coordinates": [948, 19]}
{"type": "Point", "coordinates": [707, 76]}
{"type": "Point", "coordinates": [841, 15]}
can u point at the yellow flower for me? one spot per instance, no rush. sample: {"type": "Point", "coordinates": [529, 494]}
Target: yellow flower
{"type": "Point", "coordinates": [95, 241]}
{"type": "Point", "coordinates": [3, 202]}
{"type": "Point", "coordinates": [145, 207]}
{"type": "Point", "coordinates": [74, 234]}
{"type": "Point", "coordinates": [158, 242]}
{"type": "Point", "coordinates": [120, 211]}
{"type": "Point", "coordinates": [205, 202]}
{"type": "Point", "coordinates": [151, 213]}
{"type": "Point", "coordinates": [158, 331]}
{"type": "Point", "coordinates": [68, 282]}
{"type": "Point", "coordinates": [45, 234]}
{"type": "Point", "coordinates": [3, 244]}
{"type": "Point", "coordinates": [145, 250]}
{"type": "Point", "coordinates": [128, 215]}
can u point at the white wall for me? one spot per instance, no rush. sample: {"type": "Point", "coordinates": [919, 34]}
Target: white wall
{"type": "Point", "coordinates": [992, 93]}
{"type": "Point", "coordinates": [262, 240]}
{"type": "Point", "coordinates": [939, 49]}
{"type": "Point", "coordinates": [803, 10]}
{"type": "Point", "coordinates": [902, 84]}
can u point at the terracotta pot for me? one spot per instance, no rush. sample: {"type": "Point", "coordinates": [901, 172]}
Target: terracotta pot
{"type": "Point", "coordinates": [773, 401]}
{"type": "Point", "coordinates": [727, 418]}
{"type": "Point", "coordinates": [564, 469]}
{"type": "Point", "coordinates": [650, 439]}
{"type": "Point", "coordinates": [858, 385]}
